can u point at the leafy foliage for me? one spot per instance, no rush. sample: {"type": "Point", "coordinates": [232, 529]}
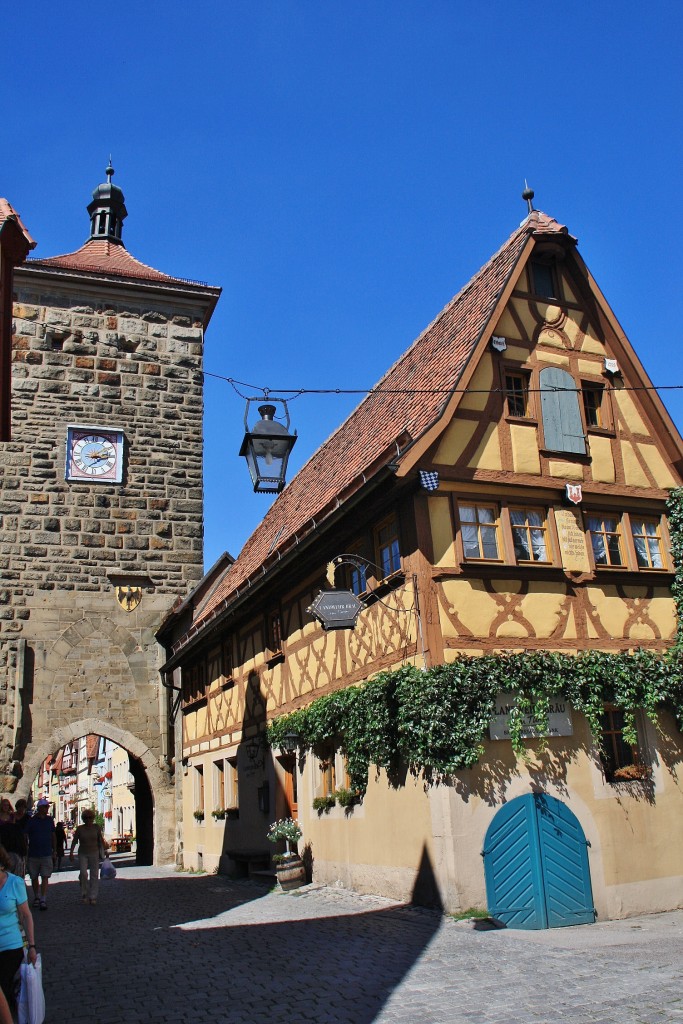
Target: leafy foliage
{"type": "Point", "coordinates": [436, 721]}
{"type": "Point", "coordinates": [674, 508]}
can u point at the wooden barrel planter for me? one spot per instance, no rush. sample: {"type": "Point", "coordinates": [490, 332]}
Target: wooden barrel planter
{"type": "Point", "coordinates": [291, 873]}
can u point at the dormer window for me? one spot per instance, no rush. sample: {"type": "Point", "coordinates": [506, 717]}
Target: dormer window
{"type": "Point", "coordinates": [543, 279]}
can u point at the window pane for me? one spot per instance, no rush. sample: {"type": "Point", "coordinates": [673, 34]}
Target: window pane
{"type": "Point", "coordinates": [542, 280]}
{"type": "Point", "coordinates": [489, 541]}
{"type": "Point", "coordinates": [470, 541]}
{"type": "Point", "coordinates": [647, 543]}
{"type": "Point", "coordinates": [479, 527]}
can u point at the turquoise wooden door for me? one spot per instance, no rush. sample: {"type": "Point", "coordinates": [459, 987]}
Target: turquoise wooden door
{"type": "Point", "coordinates": [536, 865]}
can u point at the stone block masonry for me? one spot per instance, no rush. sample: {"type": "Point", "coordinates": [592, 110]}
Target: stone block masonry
{"type": "Point", "coordinates": [94, 350]}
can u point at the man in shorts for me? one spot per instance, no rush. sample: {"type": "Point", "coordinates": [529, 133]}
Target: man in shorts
{"type": "Point", "coordinates": [40, 832]}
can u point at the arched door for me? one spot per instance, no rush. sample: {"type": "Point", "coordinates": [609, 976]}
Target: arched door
{"type": "Point", "coordinates": [536, 865]}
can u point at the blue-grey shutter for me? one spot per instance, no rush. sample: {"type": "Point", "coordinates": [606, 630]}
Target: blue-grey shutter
{"type": "Point", "coordinates": [562, 425]}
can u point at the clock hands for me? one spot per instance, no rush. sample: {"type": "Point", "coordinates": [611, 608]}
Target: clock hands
{"type": "Point", "coordinates": [99, 456]}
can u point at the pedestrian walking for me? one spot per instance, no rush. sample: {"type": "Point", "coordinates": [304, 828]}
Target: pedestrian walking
{"type": "Point", "coordinates": [90, 841]}
{"type": "Point", "coordinates": [60, 844]}
{"type": "Point", "coordinates": [13, 839]}
{"type": "Point", "coordinates": [13, 913]}
{"type": "Point", "coordinates": [40, 832]}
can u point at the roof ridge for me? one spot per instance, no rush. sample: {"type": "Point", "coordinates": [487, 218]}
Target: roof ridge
{"type": "Point", "coordinates": [437, 358]}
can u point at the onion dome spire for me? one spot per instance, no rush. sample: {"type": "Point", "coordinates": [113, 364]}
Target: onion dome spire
{"type": "Point", "coordinates": [107, 210]}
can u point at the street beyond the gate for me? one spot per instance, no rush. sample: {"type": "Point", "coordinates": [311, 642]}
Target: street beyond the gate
{"type": "Point", "coordinates": [163, 947]}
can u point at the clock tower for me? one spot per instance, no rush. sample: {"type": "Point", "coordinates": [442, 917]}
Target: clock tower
{"type": "Point", "coordinates": [101, 503]}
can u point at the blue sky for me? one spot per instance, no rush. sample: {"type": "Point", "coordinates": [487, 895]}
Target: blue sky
{"type": "Point", "coordinates": [342, 169]}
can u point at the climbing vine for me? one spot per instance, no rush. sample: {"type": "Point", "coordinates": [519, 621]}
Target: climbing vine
{"type": "Point", "coordinates": [674, 508]}
{"type": "Point", "coordinates": [435, 721]}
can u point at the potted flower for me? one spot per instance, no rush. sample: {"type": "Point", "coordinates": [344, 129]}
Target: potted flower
{"type": "Point", "coordinates": [218, 814]}
{"type": "Point", "coordinates": [199, 815]}
{"type": "Point", "coordinates": [289, 867]}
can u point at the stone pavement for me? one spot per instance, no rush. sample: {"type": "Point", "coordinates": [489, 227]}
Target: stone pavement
{"type": "Point", "coordinates": [167, 948]}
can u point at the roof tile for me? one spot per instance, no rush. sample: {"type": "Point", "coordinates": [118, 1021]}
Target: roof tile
{"type": "Point", "coordinates": [434, 362]}
{"type": "Point", "coordinates": [101, 256]}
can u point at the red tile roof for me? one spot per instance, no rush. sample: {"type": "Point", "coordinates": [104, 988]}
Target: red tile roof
{"type": "Point", "coordinates": [101, 256]}
{"type": "Point", "coordinates": [366, 441]}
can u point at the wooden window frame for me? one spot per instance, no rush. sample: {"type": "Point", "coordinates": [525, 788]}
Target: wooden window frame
{"type": "Point", "coordinates": [199, 791]}
{"type": "Point", "coordinates": [622, 762]}
{"type": "Point", "coordinates": [548, 264]}
{"type": "Point", "coordinates": [496, 524]}
{"type": "Point", "coordinates": [274, 634]}
{"type": "Point", "coordinates": [232, 799]}
{"type": "Point", "coordinates": [618, 532]}
{"type": "Point", "coordinates": [389, 522]}
{"type": "Point", "coordinates": [327, 768]}
{"type": "Point", "coordinates": [345, 575]}
{"type": "Point", "coordinates": [219, 785]}
{"type": "Point", "coordinates": [637, 520]}
{"type": "Point", "coordinates": [544, 528]}
{"type": "Point", "coordinates": [510, 373]}
{"type": "Point", "coordinates": [194, 686]}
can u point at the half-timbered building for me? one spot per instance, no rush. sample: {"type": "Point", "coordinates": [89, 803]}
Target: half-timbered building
{"type": "Point", "coordinates": [502, 488]}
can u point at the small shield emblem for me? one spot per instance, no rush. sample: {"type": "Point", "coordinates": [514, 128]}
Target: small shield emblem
{"type": "Point", "coordinates": [129, 597]}
{"type": "Point", "coordinates": [498, 343]}
{"type": "Point", "coordinates": [574, 493]}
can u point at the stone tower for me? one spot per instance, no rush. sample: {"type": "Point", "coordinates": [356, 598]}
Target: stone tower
{"type": "Point", "coordinates": [101, 517]}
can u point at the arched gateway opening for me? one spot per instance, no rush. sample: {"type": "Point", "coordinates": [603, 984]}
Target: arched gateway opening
{"type": "Point", "coordinates": [148, 817]}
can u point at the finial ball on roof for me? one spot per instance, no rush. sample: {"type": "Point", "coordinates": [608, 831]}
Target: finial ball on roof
{"type": "Point", "coordinates": [527, 194]}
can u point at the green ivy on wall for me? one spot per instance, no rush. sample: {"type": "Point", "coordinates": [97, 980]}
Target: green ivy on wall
{"type": "Point", "coordinates": [435, 721]}
{"type": "Point", "coordinates": [674, 507]}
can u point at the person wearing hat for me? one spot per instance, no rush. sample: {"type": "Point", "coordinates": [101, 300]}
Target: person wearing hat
{"type": "Point", "coordinates": [40, 832]}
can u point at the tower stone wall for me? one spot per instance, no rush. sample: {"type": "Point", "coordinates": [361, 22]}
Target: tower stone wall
{"type": "Point", "coordinates": [89, 569]}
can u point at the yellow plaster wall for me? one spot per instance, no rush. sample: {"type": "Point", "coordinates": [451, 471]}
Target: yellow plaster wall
{"type": "Point", "coordinates": [635, 843]}
{"type": "Point", "coordinates": [568, 470]}
{"type": "Point", "coordinates": [628, 411]}
{"type": "Point", "coordinates": [663, 476]}
{"type": "Point", "coordinates": [441, 524]}
{"type": "Point", "coordinates": [487, 455]}
{"type": "Point", "coordinates": [507, 328]}
{"type": "Point", "coordinates": [454, 440]}
{"type": "Point", "coordinates": [524, 443]}
{"type": "Point", "coordinates": [480, 386]}
{"type": "Point", "coordinates": [521, 308]}
{"type": "Point", "coordinates": [634, 473]}
{"type": "Point", "coordinates": [602, 466]}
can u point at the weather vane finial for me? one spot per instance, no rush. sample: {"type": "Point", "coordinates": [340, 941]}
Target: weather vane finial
{"type": "Point", "coordinates": [528, 196]}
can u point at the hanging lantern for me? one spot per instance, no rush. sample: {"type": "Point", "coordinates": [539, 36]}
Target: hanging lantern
{"type": "Point", "coordinates": [266, 447]}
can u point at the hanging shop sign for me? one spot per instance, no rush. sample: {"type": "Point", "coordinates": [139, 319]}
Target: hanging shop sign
{"type": "Point", "coordinates": [336, 609]}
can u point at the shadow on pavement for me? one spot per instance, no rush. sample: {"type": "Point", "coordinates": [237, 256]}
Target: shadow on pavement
{"type": "Point", "coordinates": [205, 950]}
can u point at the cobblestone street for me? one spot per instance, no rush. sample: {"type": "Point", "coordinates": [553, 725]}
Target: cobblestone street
{"type": "Point", "coordinates": [168, 948]}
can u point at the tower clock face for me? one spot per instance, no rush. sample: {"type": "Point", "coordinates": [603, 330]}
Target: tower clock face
{"type": "Point", "coordinates": [94, 454]}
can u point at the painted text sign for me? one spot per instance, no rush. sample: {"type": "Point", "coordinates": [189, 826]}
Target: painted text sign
{"type": "Point", "coordinates": [559, 719]}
